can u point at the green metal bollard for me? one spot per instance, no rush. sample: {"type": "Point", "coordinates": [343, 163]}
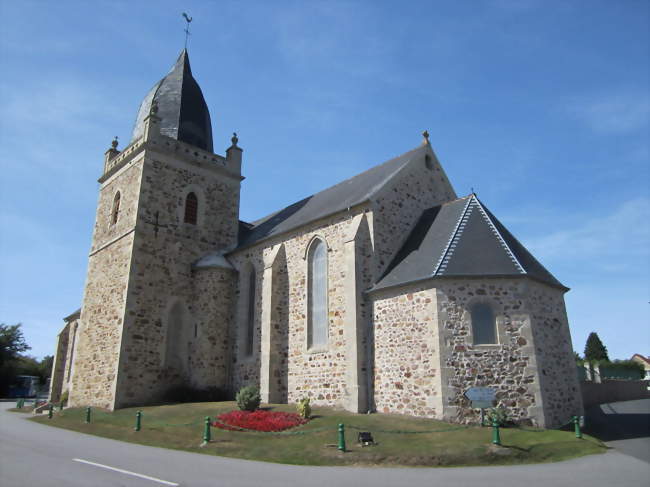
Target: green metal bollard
{"type": "Point", "coordinates": [496, 437]}
{"type": "Point", "coordinates": [341, 446]}
{"type": "Point", "coordinates": [21, 403]}
{"type": "Point", "coordinates": [50, 409]}
{"type": "Point", "coordinates": [206, 430]}
{"type": "Point", "coordinates": [138, 420]}
{"type": "Point", "coordinates": [18, 403]}
{"type": "Point", "coordinates": [576, 423]}
{"type": "Point", "coordinates": [61, 406]}
{"type": "Point", "coordinates": [88, 414]}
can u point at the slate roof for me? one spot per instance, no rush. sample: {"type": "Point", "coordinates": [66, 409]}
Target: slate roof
{"type": "Point", "coordinates": [346, 194]}
{"type": "Point", "coordinates": [181, 107]}
{"type": "Point", "coordinates": [461, 238]}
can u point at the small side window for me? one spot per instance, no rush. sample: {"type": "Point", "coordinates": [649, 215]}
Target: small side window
{"type": "Point", "coordinates": [115, 213]}
{"type": "Point", "coordinates": [483, 324]}
{"type": "Point", "coordinates": [191, 209]}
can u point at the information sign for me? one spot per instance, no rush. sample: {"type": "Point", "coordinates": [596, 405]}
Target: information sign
{"type": "Point", "coordinates": [481, 397]}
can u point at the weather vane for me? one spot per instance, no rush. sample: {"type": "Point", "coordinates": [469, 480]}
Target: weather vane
{"type": "Point", "coordinates": [187, 27]}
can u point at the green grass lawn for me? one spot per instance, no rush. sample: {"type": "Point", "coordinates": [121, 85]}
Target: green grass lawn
{"type": "Point", "coordinates": [180, 426]}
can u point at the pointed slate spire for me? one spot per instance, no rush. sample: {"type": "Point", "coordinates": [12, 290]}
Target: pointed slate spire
{"type": "Point", "coordinates": [182, 109]}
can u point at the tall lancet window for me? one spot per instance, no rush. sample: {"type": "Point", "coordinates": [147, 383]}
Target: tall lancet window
{"type": "Point", "coordinates": [250, 316]}
{"type": "Point", "coordinates": [483, 324]}
{"type": "Point", "coordinates": [191, 208]}
{"type": "Point", "coordinates": [115, 213]}
{"type": "Point", "coordinates": [317, 299]}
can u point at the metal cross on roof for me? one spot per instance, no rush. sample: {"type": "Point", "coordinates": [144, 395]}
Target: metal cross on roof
{"type": "Point", "coordinates": [187, 27]}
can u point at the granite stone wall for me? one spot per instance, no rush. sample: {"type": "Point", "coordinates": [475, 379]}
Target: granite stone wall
{"type": "Point", "coordinates": [420, 185]}
{"type": "Point", "coordinates": [162, 276]}
{"type": "Point", "coordinates": [102, 317]}
{"type": "Point", "coordinates": [245, 368]}
{"type": "Point", "coordinates": [509, 366]}
{"type": "Point", "coordinates": [558, 376]}
{"type": "Point", "coordinates": [72, 338]}
{"type": "Point", "coordinates": [57, 380]}
{"type": "Point", "coordinates": [318, 374]}
{"type": "Point", "coordinates": [214, 292]}
{"type": "Point", "coordinates": [103, 306]}
{"type": "Point", "coordinates": [407, 356]}
{"type": "Point", "coordinates": [424, 343]}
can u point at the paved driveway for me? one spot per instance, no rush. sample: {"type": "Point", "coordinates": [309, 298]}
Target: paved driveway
{"type": "Point", "coordinates": [624, 426]}
{"type": "Point", "coordinates": [35, 455]}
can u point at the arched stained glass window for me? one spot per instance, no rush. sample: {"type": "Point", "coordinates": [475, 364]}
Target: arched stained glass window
{"type": "Point", "coordinates": [317, 299]}
{"type": "Point", "coordinates": [250, 317]}
{"type": "Point", "coordinates": [191, 208]}
{"type": "Point", "coordinates": [483, 324]}
{"type": "Point", "coordinates": [116, 208]}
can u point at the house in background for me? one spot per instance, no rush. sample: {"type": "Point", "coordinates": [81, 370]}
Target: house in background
{"type": "Point", "coordinates": [645, 361]}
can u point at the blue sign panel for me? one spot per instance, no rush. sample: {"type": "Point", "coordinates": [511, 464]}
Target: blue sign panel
{"type": "Point", "coordinates": [481, 394]}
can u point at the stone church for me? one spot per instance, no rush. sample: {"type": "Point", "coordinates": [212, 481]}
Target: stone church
{"type": "Point", "coordinates": [386, 292]}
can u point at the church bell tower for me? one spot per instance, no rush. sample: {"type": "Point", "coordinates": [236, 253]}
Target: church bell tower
{"type": "Point", "coordinates": [165, 201]}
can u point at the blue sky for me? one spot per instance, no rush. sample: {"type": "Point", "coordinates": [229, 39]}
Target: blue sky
{"type": "Point", "coordinates": [541, 106]}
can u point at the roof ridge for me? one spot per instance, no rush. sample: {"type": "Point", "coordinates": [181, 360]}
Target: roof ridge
{"type": "Point", "coordinates": [372, 191]}
{"type": "Point", "coordinates": [496, 232]}
{"type": "Point", "coordinates": [455, 235]}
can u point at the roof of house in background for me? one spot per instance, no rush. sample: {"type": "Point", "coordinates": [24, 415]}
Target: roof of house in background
{"type": "Point", "coordinates": [461, 238]}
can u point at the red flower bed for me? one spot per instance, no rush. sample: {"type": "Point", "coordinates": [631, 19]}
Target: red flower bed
{"type": "Point", "coordinates": [259, 420]}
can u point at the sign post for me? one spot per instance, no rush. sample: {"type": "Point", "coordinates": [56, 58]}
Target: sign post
{"type": "Point", "coordinates": [481, 398]}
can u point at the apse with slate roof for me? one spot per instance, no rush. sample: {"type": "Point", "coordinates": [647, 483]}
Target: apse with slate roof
{"type": "Point", "coordinates": [385, 292]}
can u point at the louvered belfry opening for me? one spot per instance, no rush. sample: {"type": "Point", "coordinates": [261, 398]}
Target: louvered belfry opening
{"type": "Point", "coordinates": [191, 208]}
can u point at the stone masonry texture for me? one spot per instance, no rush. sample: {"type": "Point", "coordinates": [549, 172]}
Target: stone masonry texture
{"type": "Point", "coordinates": [154, 320]}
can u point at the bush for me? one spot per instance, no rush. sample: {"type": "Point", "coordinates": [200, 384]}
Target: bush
{"type": "Point", "coordinates": [64, 397]}
{"type": "Point", "coordinates": [622, 369]}
{"type": "Point", "coordinates": [497, 415]}
{"type": "Point", "coordinates": [248, 398]}
{"type": "Point", "coordinates": [185, 393]}
{"type": "Point", "coordinates": [304, 409]}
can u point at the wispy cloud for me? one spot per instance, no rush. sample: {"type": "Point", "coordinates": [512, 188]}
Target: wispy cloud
{"type": "Point", "coordinates": [612, 242]}
{"type": "Point", "coordinates": [614, 114]}
{"type": "Point", "coordinates": [62, 103]}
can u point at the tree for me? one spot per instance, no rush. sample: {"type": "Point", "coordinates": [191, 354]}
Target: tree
{"type": "Point", "coordinates": [12, 343]}
{"type": "Point", "coordinates": [594, 349]}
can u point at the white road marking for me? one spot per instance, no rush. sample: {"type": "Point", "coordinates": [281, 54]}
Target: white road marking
{"type": "Point", "coordinates": [126, 472]}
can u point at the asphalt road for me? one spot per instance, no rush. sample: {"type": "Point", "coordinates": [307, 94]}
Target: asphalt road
{"type": "Point", "coordinates": [34, 455]}
{"type": "Point", "coordinates": [624, 426]}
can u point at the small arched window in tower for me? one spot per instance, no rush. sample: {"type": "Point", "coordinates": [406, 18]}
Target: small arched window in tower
{"type": "Point", "coordinates": [317, 329]}
{"type": "Point", "coordinates": [116, 208]}
{"type": "Point", "coordinates": [250, 316]}
{"type": "Point", "coordinates": [483, 324]}
{"type": "Point", "coordinates": [191, 208]}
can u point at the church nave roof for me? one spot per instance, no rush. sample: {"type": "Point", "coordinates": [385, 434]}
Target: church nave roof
{"type": "Point", "coordinates": [346, 194]}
